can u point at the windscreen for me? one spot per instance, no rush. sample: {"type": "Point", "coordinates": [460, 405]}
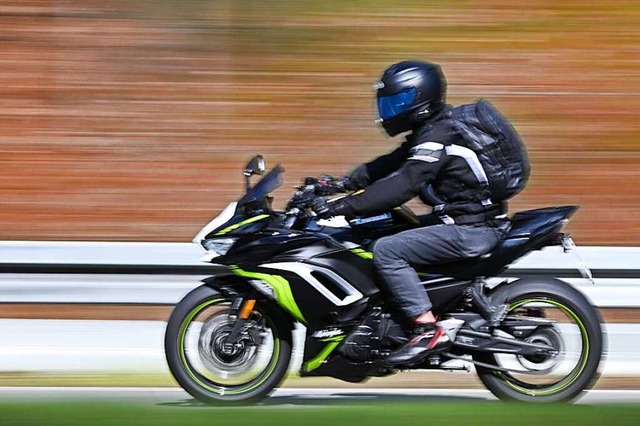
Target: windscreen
{"type": "Point", "coordinates": [269, 183]}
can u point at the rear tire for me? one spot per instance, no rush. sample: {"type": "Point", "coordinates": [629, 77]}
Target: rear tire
{"type": "Point", "coordinates": [576, 306]}
{"type": "Point", "coordinates": [203, 388]}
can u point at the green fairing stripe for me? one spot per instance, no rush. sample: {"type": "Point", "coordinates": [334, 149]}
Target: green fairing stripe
{"type": "Point", "coordinates": [577, 372]}
{"type": "Point", "coordinates": [316, 362]}
{"type": "Point", "coordinates": [333, 339]}
{"type": "Point", "coordinates": [240, 224]}
{"type": "Point", "coordinates": [221, 390]}
{"type": "Point", "coordinates": [362, 253]}
{"type": "Point", "coordinates": [281, 288]}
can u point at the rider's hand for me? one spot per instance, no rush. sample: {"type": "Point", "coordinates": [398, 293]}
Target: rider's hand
{"type": "Point", "coordinates": [310, 180]}
{"type": "Point", "coordinates": [328, 185]}
{"type": "Point", "coordinates": [357, 179]}
{"type": "Point", "coordinates": [346, 185]}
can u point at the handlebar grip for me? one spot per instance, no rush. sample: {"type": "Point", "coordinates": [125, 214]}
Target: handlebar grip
{"type": "Point", "coordinates": [290, 221]}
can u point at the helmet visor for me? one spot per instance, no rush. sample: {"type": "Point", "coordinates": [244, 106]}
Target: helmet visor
{"type": "Point", "coordinates": [390, 106]}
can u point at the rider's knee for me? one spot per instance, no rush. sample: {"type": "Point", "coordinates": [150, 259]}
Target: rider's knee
{"type": "Point", "coordinates": [383, 251]}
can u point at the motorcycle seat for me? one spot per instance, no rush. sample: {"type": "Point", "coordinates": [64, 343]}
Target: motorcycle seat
{"type": "Point", "coordinates": [530, 230]}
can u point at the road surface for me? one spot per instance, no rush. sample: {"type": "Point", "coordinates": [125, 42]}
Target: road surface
{"type": "Point", "coordinates": [286, 397]}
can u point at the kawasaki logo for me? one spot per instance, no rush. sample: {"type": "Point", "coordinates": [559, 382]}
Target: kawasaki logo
{"type": "Point", "coordinates": [327, 333]}
{"type": "Point", "coordinates": [370, 219]}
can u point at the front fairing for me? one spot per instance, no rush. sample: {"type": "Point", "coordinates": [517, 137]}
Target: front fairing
{"type": "Point", "coordinates": [248, 215]}
{"type": "Point", "coordinates": [267, 246]}
{"type": "Point", "coordinates": [217, 223]}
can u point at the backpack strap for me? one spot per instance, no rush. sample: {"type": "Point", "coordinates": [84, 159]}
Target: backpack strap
{"type": "Point", "coordinates": [494, 215]}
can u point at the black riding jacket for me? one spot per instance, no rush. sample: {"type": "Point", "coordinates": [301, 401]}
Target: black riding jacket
{"type": "Point", "coordinates": [432, 162]}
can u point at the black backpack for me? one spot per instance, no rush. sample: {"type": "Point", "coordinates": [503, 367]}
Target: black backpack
{"type": "Point", "coordinates": [498, 146]}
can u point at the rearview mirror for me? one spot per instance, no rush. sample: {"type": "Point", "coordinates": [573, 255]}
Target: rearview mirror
{"type": "Point", "coordinates": [255, 166]}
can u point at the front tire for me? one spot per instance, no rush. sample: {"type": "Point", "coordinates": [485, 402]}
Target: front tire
{"type": "Point", "coordinates": [564, 299]}
{"type": "Point", "coordinates": [198, 317]}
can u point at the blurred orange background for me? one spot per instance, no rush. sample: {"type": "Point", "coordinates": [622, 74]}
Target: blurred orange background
{"type": "Point", "coordinates": [132, 120]}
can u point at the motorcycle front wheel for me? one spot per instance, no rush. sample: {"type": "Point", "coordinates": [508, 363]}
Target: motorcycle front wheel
{"type": "Point", "coordinates": [575, 332]}
{"type": "Point", "coordinates": [219, 372]}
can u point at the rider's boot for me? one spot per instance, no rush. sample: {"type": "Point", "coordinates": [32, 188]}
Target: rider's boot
{"type": "Point", "coordinates": [426, 339]}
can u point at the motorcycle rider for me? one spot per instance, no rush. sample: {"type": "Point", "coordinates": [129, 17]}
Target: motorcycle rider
{"type": "Point", "coordinates": [432, 162]}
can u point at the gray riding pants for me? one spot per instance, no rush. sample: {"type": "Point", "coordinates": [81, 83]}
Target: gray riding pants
{"type": "Point", "coordinates": [430, 245]}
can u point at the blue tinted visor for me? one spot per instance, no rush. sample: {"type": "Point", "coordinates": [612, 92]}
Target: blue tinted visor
{"type": "Point", "coordinates": [390, 106]}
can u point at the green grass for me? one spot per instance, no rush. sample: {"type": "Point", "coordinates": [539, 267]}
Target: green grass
{"type": "Point", "coordinates": [369, 413]}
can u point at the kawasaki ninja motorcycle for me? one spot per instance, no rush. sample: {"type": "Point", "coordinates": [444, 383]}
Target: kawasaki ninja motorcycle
{"type": "Point", "coordinates": [534, 339]}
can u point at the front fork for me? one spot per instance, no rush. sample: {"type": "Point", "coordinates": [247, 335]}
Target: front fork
{"type": "Point", "coordinates": [241, 309]}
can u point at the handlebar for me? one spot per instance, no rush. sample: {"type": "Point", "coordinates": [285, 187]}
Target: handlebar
{"type": "Point", "coordinates": [327, 185]}
{"type": "Point", "coordinates": [312, 188]}
{"type": "Point", "coordinates": [303, 198]}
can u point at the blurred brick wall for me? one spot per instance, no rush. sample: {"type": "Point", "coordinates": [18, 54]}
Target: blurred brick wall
{"type": "Point", "coordinates": [132, 120]}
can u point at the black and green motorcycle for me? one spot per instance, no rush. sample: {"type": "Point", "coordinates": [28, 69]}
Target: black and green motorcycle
{"type": "Point", "coordinates": [533, 339]}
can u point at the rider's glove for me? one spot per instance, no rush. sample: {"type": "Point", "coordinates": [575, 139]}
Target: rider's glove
{"type": "Point", "coordinates": [309, 180]}
{"type": "Point", "coordinates": [357, 179]}
{"type": "Point", "coordinates": [326, 185]}
{"type": "Point", "coordinates": [326, 210]}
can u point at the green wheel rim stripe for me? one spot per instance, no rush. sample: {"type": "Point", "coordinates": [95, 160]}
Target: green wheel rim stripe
{"type": "Point", "coordinates": [197, 377]}
{"type": "Point", "coordinates": [577, 371]}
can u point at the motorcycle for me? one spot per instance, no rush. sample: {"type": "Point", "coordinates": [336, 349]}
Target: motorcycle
{"type": "Point", "coordinates": [533, 339]}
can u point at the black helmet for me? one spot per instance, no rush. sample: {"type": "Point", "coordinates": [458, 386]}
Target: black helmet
{"type": "Point", "coordinates": [409, 92]}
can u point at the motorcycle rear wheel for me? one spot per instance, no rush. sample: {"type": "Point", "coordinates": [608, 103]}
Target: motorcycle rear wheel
{"type": "Point", "coordinates": [565, 301]}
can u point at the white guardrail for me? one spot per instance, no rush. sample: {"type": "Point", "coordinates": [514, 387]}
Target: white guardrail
{"type": "Point", "coordinates": [162, 273]}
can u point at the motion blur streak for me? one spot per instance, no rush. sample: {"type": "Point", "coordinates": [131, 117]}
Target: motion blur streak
{"type": "Point", "coordinates": [128, 119]}
{"type": "Point", "coordinates": [90, 347]}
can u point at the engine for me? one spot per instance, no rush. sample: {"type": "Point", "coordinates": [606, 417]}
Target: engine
{"type": "Point", "coordinates": [377, 333]}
